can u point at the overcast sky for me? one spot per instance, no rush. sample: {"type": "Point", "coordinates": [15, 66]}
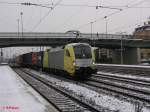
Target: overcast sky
{"type": "Point", "coordinates": [72, 15]}
{"type": "Point", "coordinates": [66, 17]}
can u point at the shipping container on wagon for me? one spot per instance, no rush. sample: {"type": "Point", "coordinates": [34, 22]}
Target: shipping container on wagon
{"type": "Point", "coordinates": [27, 59]}
{"type": "Point", "coordinates": [40, 59]}
{"type": "Point", "coordinates": [56, 59]}
{"type": "Point", "coordinates": [34, 58]}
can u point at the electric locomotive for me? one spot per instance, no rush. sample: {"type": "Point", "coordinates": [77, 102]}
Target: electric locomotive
{"type": "Point", "coordinates": [76, 59]}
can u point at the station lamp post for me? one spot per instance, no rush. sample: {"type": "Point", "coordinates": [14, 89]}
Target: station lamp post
{"type": "Point", "coordinates": [121, 47]}
{"type": "Point", "coordinates": [18, 27]}
{"type": "Point", "coordinates": [21, 13]}
{"type": "Point", "coordinates": [106, 25]}
{"type": "Point", "coordinates": [92, 37]}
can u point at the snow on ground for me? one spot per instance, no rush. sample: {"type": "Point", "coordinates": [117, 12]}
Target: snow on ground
{"type": "Point", "coordinates": [129, 86]}
{"type": "Point", "coordinates": [125, 76]}
{"type": "Point", "coordinates": [100, 99]}
{"type": "Point", "coordinates": [115, 65]}
{"type": "Point", "coordinates": [17, 96]}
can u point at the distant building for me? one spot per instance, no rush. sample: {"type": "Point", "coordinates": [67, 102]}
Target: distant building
{"type": "Point", "coordinates": [143, 32]}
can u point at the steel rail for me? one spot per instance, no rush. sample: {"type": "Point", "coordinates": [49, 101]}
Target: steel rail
{"type": "Point", "coordinates": [65, 93]}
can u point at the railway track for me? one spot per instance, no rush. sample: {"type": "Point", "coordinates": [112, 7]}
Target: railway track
{"type": "Point", "coordinates": [124, 89]}
{"type": "Point", "coordinates": [122, 79]}
{"type": "Point", "coordinates": [125, 70]}
{"type": "Point", "coordinates": [62, 100]}
{"type": "Point", "coordinates": [97, 83]}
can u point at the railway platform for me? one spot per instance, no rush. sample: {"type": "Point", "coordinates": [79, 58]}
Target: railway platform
{"type": "Point", "coordinates": [17, 96]}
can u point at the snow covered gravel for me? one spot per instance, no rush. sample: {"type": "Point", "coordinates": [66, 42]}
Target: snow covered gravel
{"type": "Point", "coordinates": [126, 76]}
{"type": "Point", "coordinates": [131, 66]}
{"type": "Point", "coordinates": [99, 99]}
{"type": "Point", "coordinates": [18, 96]}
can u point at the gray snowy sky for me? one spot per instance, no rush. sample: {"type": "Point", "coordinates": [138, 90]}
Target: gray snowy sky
{"type": "Point", "coordinates": [74, 15]}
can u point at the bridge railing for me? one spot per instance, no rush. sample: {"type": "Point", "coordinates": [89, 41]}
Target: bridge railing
{"type": "Point", "coordinates": [61, 35]}
{"type": "Point", "coordinates": [67, 35]}
{"type": "Point", "coordinates": [105, 36]}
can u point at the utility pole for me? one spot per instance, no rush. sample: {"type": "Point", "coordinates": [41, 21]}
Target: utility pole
{"type": "Point", "coordinates": [91, 29]}
{"type": "Point", "coordinates": [106, 25]}
{"type": "Point", "coordinates": [18, 27]}
{"type": "Point", "coordinates": [21, 13]}
{"type": "Point", "coordinates": [121, 47]}
{"type": "Point", "coordinates": [1, 55]}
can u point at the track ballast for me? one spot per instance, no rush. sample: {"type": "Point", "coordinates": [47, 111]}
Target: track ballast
{"type": "Point", "coordinates": [62, 100]}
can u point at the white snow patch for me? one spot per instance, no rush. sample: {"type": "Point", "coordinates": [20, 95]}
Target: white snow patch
{"type": "Point", "coordinates": [100, 99]}
{"type": "Point", "coordinates": [125, 76]}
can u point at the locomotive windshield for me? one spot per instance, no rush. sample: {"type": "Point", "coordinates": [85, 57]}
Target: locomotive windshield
{"type": "Point", "coordinates": [82, 51]}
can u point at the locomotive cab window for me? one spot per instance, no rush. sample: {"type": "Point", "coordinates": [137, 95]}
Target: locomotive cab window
{"type": "Point", "coordinates": [67, 53]}
{"type": "Point", "coordinates": [82, 51]}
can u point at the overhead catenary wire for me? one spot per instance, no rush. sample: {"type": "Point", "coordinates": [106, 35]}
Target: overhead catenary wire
{"type": "Point", "coordinates": [43, 18]}
{"type": "Point", "coordinates": [25, 3]}
{"type": "Point", "coordinates": [128, 26]}
{"type": "Point", "coordinates": [10, 3]}
{"type": "Point", "coordinates": [111, 14]}
{"type": "Point", "coordinates": [73, 5]}
{"type": "Point", "coordinates": [71, 17]}
{"type": "Point", "coordinates": [100, 6]}
{"type": "Point", "coordinates": [96, 20]}
{"type": "Point", "coordinates": [33, 4]}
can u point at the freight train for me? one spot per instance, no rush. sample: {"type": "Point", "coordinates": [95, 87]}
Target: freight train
{"type": "Point", "coordinates": [74, 59]}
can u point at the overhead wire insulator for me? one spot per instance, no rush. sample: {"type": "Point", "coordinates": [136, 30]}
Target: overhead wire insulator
{"type": "Point", "coordinates": [29, 3]}
{"type": "Point", "coordinates": [26, 3]}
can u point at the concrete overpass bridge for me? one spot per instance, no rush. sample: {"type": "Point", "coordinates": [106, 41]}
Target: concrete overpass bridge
{"type": "Point", "coordinates": [128, 44]}
{"type": "Point", "coordinates": [58, 39]}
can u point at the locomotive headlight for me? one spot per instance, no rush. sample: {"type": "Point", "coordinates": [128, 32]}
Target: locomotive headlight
{"type": "Point", "coordinates": [74, 63]}
{"type": "Point", "coordinates": [93, 62]}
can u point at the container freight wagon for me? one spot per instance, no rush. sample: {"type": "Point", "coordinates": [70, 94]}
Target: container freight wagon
{"type": "Point", "coordinates": [30, 59]}
{"type": "Point", "coordinates": [34, 58]}
{"type": "Point", "coordinates": [39, 62]}
{"type": "Point", "coordinates": [27, 59]}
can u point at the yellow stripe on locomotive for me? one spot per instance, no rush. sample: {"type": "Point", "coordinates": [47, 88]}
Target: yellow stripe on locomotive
{"type": "Point", "coordinates": [45, 60]}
